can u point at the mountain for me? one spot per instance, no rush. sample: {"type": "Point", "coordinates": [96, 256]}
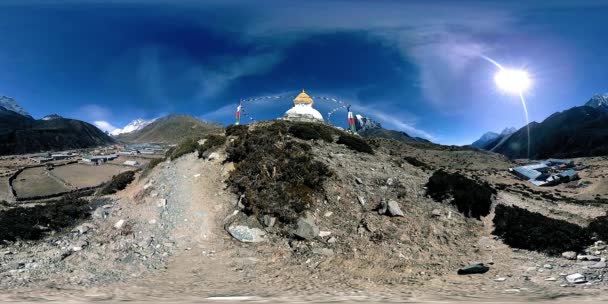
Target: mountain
{"type": "Point", "coordinates": [577, 132]}
{"type": "Point", "coordinates": [598, 101]}
{"type": "Point", "coordinates": [11, 105]}
{"type": "Point", "coordinates": [21, 134]}
{"type": "Point", "coordinates": [133, 126]}
{"type": "Point", "coordinates": [170, 129]}
{"type": "Point", "coordinates": [368, 127]}
{"type": "Point", "coordinates": [485, 139]}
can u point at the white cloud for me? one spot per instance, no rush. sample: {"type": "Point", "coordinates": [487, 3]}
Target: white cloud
{"type": "Point", "coordinates": [104, 125]}
{"type": "Point", "coordinates": [393, 121]}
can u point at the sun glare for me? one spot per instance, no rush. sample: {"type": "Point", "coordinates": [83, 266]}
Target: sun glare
{"type": "Point", "coordinates": [512, 81]}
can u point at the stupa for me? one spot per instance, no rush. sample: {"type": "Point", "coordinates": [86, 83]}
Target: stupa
{"type": "Point", "coordinates": [302, 110]}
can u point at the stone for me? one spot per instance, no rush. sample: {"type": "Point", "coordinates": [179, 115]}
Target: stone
{"type": "Point", "coordinates": [393, 209]}
{"type": "Point", "coordinates": [332, 240]}
{"type": "Point", "coordinates": [213, 156]}
{"type": "Point", "coordinates": [197, 175]}
{"type": "Point", "coordinates": [246, 234]}
{"type": "Point", "coordinates": [307, 229]}
{"type": "Point", "coordinates": [100, 213]}
{"type": "Point", "coordinates": [383, 207]}
{"type": "Point", "coordinates": [328, 214]}
{"type": "Point", "coordinates": [436, 213]}
{"type": "Point", "coordinates": [323, 251]}
{"type": "Point", "coordinates": [475, 268]}
{"type": "Point", "coordinates": [570, 255]}
{"type": "Point", "coordinates": [119, 224]}
{"type": "Point", "coordinates": [161, 203]}
{"type": "Point", "coordinates": [390, 181]}
{"type": "Point", "coordinates": [598, 265]}
{"type": "Point", "coordinates": [500, 279]}
{"type": "Point", "coordinates": [358, 181]}
{"type": "Point", "coordinates": [269, 221]}
{"type": "Point", "coordinates": [547, 266]}
{"type": "Point", "coordinates": [324, 233]}
{"type": "Point", "coordinates": [81, 229]}
{"type": "Point", "coordinates": [588, 257]}
{"type": "Point", "coordinates": [361, 200]}
{"type": "Point", "coordinates": [551, 279]}
{"type": "Point", "coordinates": [576, 278]}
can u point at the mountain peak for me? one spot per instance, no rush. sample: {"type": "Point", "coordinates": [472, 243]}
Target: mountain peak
{"type": "Point", "coordinates": [508, 131]}
{"type": "Point", "coordinates": [134, 125]}
{"type": "Point", "coordinates": [598, 100]}
{"type": "Point", "coordinates": [51, 117]}
{"type": "Point", "coordinates": [12, 105]}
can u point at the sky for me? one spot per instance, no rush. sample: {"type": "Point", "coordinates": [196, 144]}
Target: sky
{"type": "Point", "coordinates": [414, 66]}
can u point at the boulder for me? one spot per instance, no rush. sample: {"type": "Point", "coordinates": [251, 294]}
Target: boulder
{"type": "Point", "coordinates": [269, 221]}
{"type": "Point", "coordinates": [100, 213]}
{"type": "Point", "coordinates": [576, 278]}
{"type": "Point", "coordinates": [475, 268]}
{"type": "Point", "coordinates": [119, 224]}
{"type": "Point", "coordinates": [598, 265]}
{"type": "Point", "coordinates": [307, 229]}
{"type": "Point", "coordinates": [161, 203]}
{"type": "Point", "coordinates": [570, 255]}
{"type": "Point", "coordinates": [588, 257]}
{"type": "Point", "coordinates": [393, 209]}
{"type": "Point", "coordinates": [436, 213]}
{"type": "Point", "coordinates": [246, 234]}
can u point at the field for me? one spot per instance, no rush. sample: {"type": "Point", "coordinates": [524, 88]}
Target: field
{"type": "Point", "coordinates": [81, 176]}
{"type": "Point", "coordinates": [37, 182]}
{"type": "Point", "coordinates": [4, 190]}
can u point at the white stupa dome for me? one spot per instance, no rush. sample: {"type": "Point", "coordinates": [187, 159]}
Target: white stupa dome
{"type": "Point", "coordinates": [302, 109]}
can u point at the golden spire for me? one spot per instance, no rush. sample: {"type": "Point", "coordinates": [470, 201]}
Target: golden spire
{"type": "Point", "coordinates": [302, 98]}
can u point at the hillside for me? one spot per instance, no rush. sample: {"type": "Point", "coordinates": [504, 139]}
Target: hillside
{"type": "Point", "coordinates": [577, 132]}
{"type": "Point", "coordinates": [170, 129]}
{"type": "Point", "coordinates": [391, 134]}
{"type": "Point", "coordinates": [22, 134]}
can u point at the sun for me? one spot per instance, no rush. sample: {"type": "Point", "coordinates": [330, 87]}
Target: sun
{"type": "Point", "coordinates": [513, 81]}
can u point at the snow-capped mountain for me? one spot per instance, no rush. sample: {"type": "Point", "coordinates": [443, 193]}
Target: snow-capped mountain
{"type": "Point", "coordinates": [365, 123]}
{"type": "Point", "coordinates": [508, 131]}
{"type": "Point", "coordinates": [485, 139]}
{"type": "Point", "coordinates": [598, 100]}
{"type": "Point", "coordinates": [51, 117]}
{"type": "Point", "coordinates": [491, 139]}
{"type": "Point", "coordinates": [134, 125]}
{"type": "Point", "coordinates": [11, 105]}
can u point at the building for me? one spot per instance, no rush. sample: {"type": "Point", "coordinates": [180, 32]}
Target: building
{"type": "Point", "coordinates": [132, 163]}
{"type": "Point", "coordinates": [98, 159]}
{"type": "Point", "coordinates": [569, 175]}
{"type": "Point", "coordinates": [302, 110]}
{"type": "Point", "coordinates": [547, 173]}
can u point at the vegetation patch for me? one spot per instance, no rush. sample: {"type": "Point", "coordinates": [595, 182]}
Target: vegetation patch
{"type": "Point", "coordinates": [599, 228]}
{"type": "Point", "coordinates": [151, 165]}
{"type": "Point", "coordinates": [276, 175]}
{"type": "Point", "coordinates": [212, 141]}
{"type": "Point", "coordinates": [237, 130]}
{"type": "Point", "coordinates": [118, 182]}
{"type": "Point", "coordinates": [415, 162]}
{"type": "Point", "coordinates": [472, 198]}
{"type": "Point", "coordinates": [309, 131]}
{"type": "Point", "coordinates": [355, 143]}
{"type": "Point", "coordinates": [32, 223]}
{"type": "Point", "coordinates": [185, 147]}
{"type": "Point", "coordinates": [520, 228]}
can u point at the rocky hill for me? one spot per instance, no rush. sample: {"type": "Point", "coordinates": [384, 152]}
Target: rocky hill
{"type": "Point", "coordinates": [577, 132]}
{"type": "Point", "coordinates": [22, 134]}
{"type": "Point", "coordinates": [170, 129]}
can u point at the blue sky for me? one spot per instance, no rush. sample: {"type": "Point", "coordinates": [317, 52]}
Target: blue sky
{"type": "Point", "coordinates": [414, 66]}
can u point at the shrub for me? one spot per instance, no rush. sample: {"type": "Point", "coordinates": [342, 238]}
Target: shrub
{"type": "Point", "coordinates": [416, 163]}
{"type": "Point", "coordinates": [278, 177]}
{"type": "Point", "coordinates": [355, 143]}
{"type": "Point", "coordinates": [308, 131]}
{"type": "Point", "coordinates": [118, 182]}
{"type": "Point", "coordinates": [523, 229]}
{"type": "Point", "coordinates": [151, 165]}
{"type": "Point", "coordinates": [599, 227]}
{"type": "Point", "coordinates": [211, 142]}
{"type": "Point", "coordinates": [472, 198]}
{"type": "Point", "coordinates": [237, 130]}
{"type": "Point", "coordinates": [25, 223]}
{"type": "Point", "coordinates": [185, 147]}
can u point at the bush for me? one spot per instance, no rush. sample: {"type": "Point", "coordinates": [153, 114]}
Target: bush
{"type": "Point", "coordinates": [523, 229]}
{"type": "Point", "coordinates": [25, 223]}
{"type": "Point", "coordinates": [355, 143]}
{"type": "Point", "coordinates": [151, 165]}
{"type": "Point", "coordinates": [416, 163]}
{"type": "Point", "coordinates": [237, 130]}
{"type": "Point", "coordinates": [211, 142]}
{"type": "Point", "coordinates": [277, 176]}
{"type": "Point", "coordinates": [185, 147]}
{"type": "Point", "coordinates": [118, 182]}
{"type": "Point", "coordinates": [599, 228]}
{"type": "Point", "coordinates": [309, 131]}
{"type": "Point", "coordinates": [472, 198]}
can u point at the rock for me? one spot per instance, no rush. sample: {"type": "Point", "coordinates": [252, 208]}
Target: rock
{"type": "Point", "coordinates": [213, 156]}
{"type": "Point", "coordinates": [358, 181]}
{"type": "Point", "coordinates": [161, 203]}
{"type": "Point", "coordinates": [269, 221]}
{"type": "Point", "coordinates": [332, 240]}
{"type": "Point", "coordinates": [323, 251]}
{"type": "Point", "coordinates": [547, 266]}
{"type": "Point", "coordinates": [328, 214]}
{"type": "Point", "coordinates": [598, 265]}
{"type": "Point", "coordinates": [246, 234]}
{"type": "Point", "coordinates": [307, 229]}
{"type": "Point", "coordinates": [570, 255]}
{"type": "Point", "coordinates": [383, 207]}
{"type": "Point", "coordinates": [393, 209]}
{"type": "Point", "coordinates": [436, 213]}
{"type": "Point", "coordinates": [576, 278]}
{"type": "Point", "coordinates": [100, 213]}
{"type": "Point", "coordinates": [475, 268]}
{"type": "Point", "coordinates": [500, 279]}
{"type": "Point", "coordinates": [361, 200]}
{"type": "Point", "coordinates": [81, 229]}
{"type": "Point", "coordinates": [324, 233]}
{"type": "Point", "coordinates": [551, 279]}
{"type": "Point", "coordinates": [197, 175]}
{"type": "Point", "coordinates": [390, 181]}
{"type": "Point", "coordinates": [119, 224]}
{"type": "Point", "coordinates": [228, 168]}
{"type": "Point", "coordinates": [588, 257]}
